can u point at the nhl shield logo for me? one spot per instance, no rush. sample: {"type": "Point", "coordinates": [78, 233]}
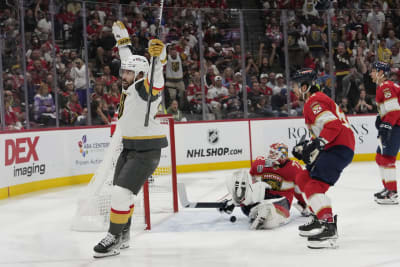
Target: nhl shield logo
{"type": "Point", "coordinates": [213, 136]}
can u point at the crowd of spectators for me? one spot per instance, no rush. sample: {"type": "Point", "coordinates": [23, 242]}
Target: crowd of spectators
{"type": "Point", "coordinates": [354, 42]}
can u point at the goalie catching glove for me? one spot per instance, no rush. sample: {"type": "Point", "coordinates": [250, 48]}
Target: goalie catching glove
{"type": "Point", "coordinates": [121, 34]}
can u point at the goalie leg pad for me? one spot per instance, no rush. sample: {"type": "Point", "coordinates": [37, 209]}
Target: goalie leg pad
{"type": "Point", "coordinates": [270, 214]}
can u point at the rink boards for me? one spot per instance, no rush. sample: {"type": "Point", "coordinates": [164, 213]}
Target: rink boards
{"type": "Point", "coordinates": [34, 160]}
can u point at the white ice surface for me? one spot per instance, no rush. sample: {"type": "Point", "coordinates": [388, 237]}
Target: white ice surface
{"type": "Point", "coordinates": [35, 231]}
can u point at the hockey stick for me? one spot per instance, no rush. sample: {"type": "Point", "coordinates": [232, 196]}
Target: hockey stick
{"type": "Point", "coordinates": [187, 204]}
{"type": "Point", "coordinates": [380, 144]}
{"type": "Point", "coordinates": [153, 61]}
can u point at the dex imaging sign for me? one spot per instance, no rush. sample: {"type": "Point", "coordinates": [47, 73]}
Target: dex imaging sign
{"type": "Point", "coordinates": [20, 150]}
{"type": "Point", "coordinates": [22, 154]}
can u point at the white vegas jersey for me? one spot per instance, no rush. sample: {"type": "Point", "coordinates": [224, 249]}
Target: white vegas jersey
{"type": "Point", "coordinates": [132, 112]}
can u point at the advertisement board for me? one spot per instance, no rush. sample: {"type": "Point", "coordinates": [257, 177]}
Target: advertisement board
{"type": "Point", "coordinates": [202, 143]}
{"type": "Point", "coordinates": [35, 156]}
{"type": "Point", "coordinates": [289, 131]}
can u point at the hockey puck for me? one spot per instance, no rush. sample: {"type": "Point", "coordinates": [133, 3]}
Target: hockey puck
{"type": "Point", "coordinates": [233, 219]}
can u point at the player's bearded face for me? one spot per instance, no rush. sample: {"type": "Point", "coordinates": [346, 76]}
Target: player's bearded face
{"type": "Point", "coordinates": [299, 91]}
{"type": "Point", "coordinates": [376, 76]}
{"type": "Point", "coordinates": [128, 77]}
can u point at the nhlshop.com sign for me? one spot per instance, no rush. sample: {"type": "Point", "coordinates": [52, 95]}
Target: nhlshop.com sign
{"type": "Point", "coordinates": [212, 142]}
{"type": "Point", "coordinates": [213, 152]}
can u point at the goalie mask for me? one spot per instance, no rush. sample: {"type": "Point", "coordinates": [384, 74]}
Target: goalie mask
{"type": "Point", "coordinates": [243, 189]}
{"type": "Point", "coordinates": [137, 64]}
{"type": "Point", "coordinates": [278, 155]}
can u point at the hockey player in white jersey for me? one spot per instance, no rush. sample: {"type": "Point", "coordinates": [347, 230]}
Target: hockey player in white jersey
{"type": "Point", "coordinates": [141, 145]}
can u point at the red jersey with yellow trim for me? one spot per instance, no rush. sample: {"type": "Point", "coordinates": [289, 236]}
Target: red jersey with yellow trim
{"type": "Point", "coordinates": [388, 102]}
{"type": "Point", "coordinates": [281, 179]}
{"type": "Point", "coordinates": [327, 121]}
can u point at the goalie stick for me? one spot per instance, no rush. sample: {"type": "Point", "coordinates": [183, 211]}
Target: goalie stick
{"type": "Point", "coordinates": [187, 204]}
{"type": "Point", "coordinates": [153, 61]}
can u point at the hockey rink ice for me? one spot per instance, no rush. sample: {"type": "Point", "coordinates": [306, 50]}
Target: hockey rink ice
{"type": "Point", "coordinates": [35, 231]}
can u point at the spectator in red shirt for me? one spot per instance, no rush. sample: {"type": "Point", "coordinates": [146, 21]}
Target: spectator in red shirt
{"type": "Point", "coordinates": [113, 96]}
{"type": "Point", "coordinates": [94, 29]}
{"type": "Point", "coordinates": [107, 77]}
{"type": "Point", "coordinates": [72, 110]}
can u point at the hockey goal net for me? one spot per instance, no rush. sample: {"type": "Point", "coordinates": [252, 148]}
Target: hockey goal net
{"type": "Point", "coordinates": [157, 199]}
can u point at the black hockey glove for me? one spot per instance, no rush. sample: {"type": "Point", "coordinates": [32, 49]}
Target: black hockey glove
{"type": "Point", "coordinates": [297, 151]}
{"type": "Point", "coordinates": [227, 206]}
{"type": "Point", "coordinates": [385, 132]}
{"type": "Point", "coordinates": [311, 150]}
{"type": "Point", "coordinates": [378, 121]}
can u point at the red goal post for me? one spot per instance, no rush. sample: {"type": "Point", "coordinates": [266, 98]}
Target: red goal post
{"type": "Point", "coordinates": [170, 169]}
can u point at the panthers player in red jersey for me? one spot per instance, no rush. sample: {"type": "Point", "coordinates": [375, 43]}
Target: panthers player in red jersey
{"type": "Point", "coordinates": [388, 125]}
{"type": "Point", "coordinates": [326, 155]}
{"type": "Point", "coordinates": [265, 193]}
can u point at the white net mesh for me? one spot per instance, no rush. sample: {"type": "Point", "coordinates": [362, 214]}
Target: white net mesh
{"type": "Point", "coordinates": [93, 211]}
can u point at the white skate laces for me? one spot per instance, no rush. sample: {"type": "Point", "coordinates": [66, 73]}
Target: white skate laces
{"type": "Point", "coordinates": [108, 240]}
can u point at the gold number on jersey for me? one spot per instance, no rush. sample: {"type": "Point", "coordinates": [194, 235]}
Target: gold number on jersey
{"type": "Point", "coordinates": [342, 117]}
{"type": "Point", "coordinates": [121, 104]}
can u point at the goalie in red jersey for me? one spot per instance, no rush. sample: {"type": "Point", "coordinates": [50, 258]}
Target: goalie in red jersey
{"type": "Point", "coordinates": [265, 193]}
{"type": "Point", "coordinates": [329, 151]}
{"type": "Point", "coordinates": [388, 125]}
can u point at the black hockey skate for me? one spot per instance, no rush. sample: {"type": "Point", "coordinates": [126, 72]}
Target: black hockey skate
{"type": "Point", "coordinates": [108, 246]}
{"type": "Point", "coordinates": [386, 197]}
{"type": "Point", "coordinates": [379, 193]}
{"type": "Point", "coordinates": [125, 237]}
{"type": "Point", "coordinates": [327, 238]}
{"type": "Point", "coordinates": [311, 228]}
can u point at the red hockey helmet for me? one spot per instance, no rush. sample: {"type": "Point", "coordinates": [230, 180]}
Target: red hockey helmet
{"type": "Point", "coordinates": [278, 153]}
